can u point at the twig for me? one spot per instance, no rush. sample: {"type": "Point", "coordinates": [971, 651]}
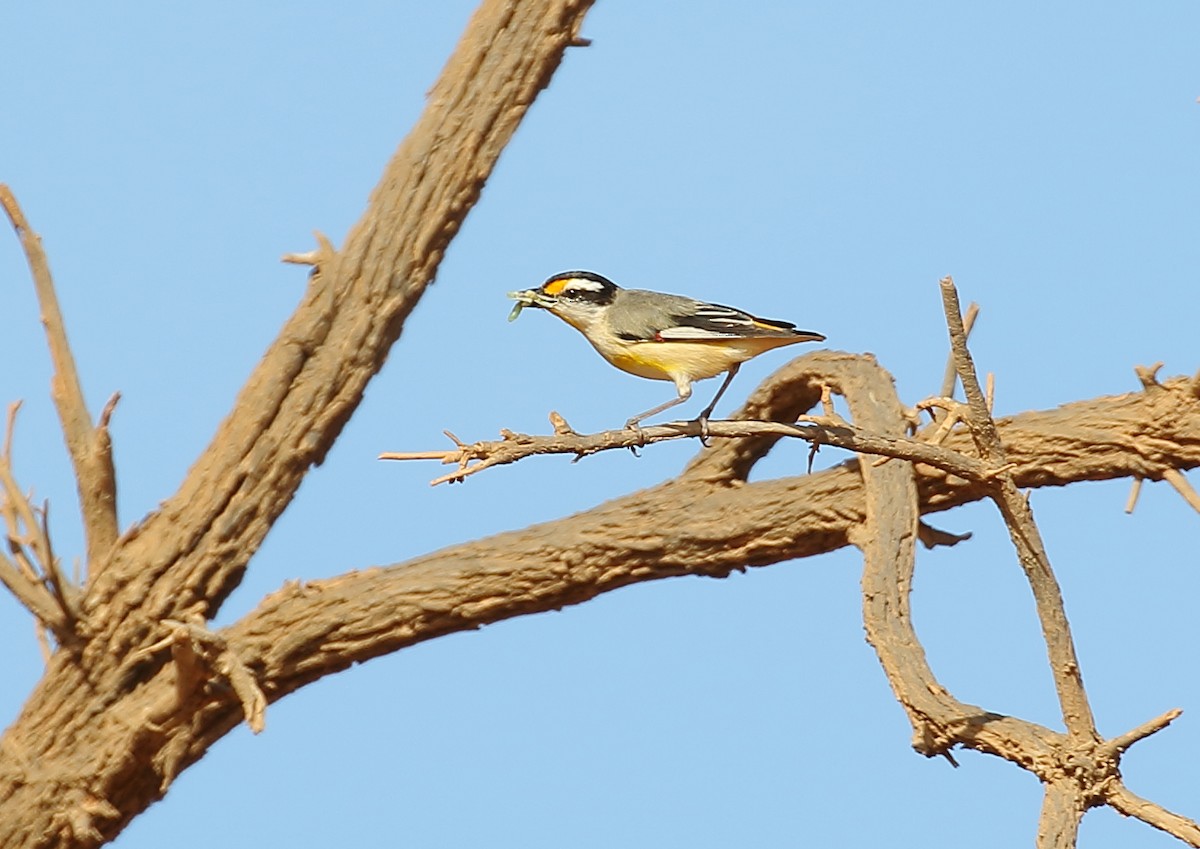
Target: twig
{"type": "Point", "coordinates": [32, 595]}
{"type": "Point", "coordinates": [89, 454]}
{"type": "Point", "coordinates": [1135, 489]}
{"type": "Point", "coordinates": [30, 557]}
{"type": "Point", "coordinates": [476, 457]}
{"type": "Point", "coordinates": [65, 592]}
{"type": "Point", "coordinates": [323, 253]}
{"type": "Point", "coordinates": [10, 426]}
{"type": "Point", "coordinates": [950, 377]}
{"type": "Point", "coordinates": [1120, 744]}
{"type": "Point", "coordinates": [1064, 664]}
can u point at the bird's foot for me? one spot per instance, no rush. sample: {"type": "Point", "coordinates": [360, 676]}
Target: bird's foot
{"type": "Point", "coordinates": [634, 425]}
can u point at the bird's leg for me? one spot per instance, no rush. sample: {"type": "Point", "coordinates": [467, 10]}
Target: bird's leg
{"type": "Point", "coordinates": [707, 411]}
{"type": "Point", "coordinates": [685, 392]}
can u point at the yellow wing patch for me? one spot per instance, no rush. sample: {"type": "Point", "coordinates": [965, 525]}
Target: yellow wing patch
{"type": "Point", "coordinates": [768, 324]}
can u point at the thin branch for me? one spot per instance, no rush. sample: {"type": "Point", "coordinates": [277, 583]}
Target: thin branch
{"type": "Point", "coordinates": [1129, 804]}
{"type": "Point", "coordinates": [90, 454]}
{"type": "Point", "coordinates": [1120, 744]}
{"type": "Point", "coordinates": [1056, 631]}
{"type": "Point", "coordinates": [32, 595]}
{"type": "Point", "coordinates": [65, 593]}
{"type": "Point", "coordinates": [475, 457]}
{"type": "Point", "coordinates": [28, 544]}
{"type": "Point", "coordinates": [950, 377]}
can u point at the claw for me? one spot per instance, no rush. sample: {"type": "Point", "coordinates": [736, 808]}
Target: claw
{"type": "Point", "coordinates": [633, 425]}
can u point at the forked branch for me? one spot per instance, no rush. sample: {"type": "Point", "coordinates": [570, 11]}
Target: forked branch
{"type": "Point", "coordinates": [1064, 663]}
{"type": "Point", "coordinates": [1086, 773]}
{"type": "Point", "coordinates": [28, 567]}
{"type": "Point", "coordinates": [90, 446]}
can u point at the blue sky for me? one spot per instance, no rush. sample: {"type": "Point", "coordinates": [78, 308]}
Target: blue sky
{"type": "Point", "coordinates": [823, 163]}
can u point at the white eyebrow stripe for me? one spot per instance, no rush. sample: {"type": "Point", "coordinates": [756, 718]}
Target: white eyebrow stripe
{"type": "Point", "coordinates": [584, 283]}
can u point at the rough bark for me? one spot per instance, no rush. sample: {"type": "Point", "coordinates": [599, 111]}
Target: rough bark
{"type": "Point", "coordinates": [100, 737]}
{"type": "Point", "coordinates": [139, 688]}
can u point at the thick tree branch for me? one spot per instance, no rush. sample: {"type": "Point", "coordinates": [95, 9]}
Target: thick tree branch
{"type": "Point", "coordinates": [544, 567]}
{"type": "Point", "coordinates": [105, 718]}
{"type": "Point", "coordinates": [116, 719]}
{"type": "Point", "coordinates": [90, 447]}
{"type": "Point", "coordinates": [193, 551]}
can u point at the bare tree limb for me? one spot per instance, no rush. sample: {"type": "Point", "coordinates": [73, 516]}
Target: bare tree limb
{"type": "Point", "coordinates": [90, 447]}
{"type": "Point", "coordinates": [1064, 663]}
{"type": "Point", "coordinates": [1058, 825]}
{"type": "Point", "coordinates": [113, 723]}
{"type": "Point", "coordinates": [185, 558]}
{"type": "Point", "coordinates": [195, 548]}
{"type": "Point", "coordinates": [1131, 805]}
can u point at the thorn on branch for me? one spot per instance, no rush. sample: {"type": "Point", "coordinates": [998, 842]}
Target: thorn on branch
{"type": "Point", "coordinates": [106, 414]}
{"type": "Point", "coordinates": [321, 255]}
{"type": "Point", "coordinates": [1135, 489]}
{"type": "Point", "coordinates": [1176, 479]}
{"type": "Point", "coordinates": [561, 428]}
{"type": "Point", "coordinates": [1148, 375]}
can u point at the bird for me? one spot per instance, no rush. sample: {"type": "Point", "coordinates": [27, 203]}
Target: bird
{"type": "Point", "coordinates": [660, 336]}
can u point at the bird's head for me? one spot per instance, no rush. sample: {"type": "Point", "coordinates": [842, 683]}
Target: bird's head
{"type": "Point", "coordinates": [576, 297]}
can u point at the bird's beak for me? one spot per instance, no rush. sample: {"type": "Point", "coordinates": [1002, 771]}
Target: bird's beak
{"type": "Point", "coordinates": [530, 298]}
